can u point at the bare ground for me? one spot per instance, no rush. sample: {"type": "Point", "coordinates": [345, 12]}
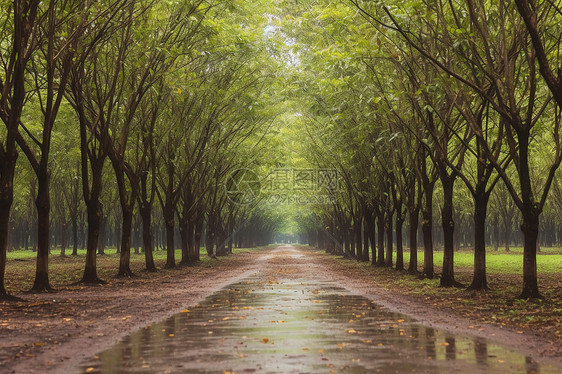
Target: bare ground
{"type": "Point", "coordinates": [55, 332]}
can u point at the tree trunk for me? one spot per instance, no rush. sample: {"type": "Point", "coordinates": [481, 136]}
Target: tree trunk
{"type": "Point", "coordinates": [389, 239]}
{"type": "Point", "coordinates": [199, 222]}
{"type": "Point", "coordinates": [63, 238]}
{"type": "Point", "coordinates": [170, 248]}
{"type": "Point", "coordinates": [530, 228]}
{"type": "Point", "coordinates": [125, 255]}
{"type": "Point", "coordinates": [365, 257]}
{"type": "Point", "coordinates": [184, 237]}
{"type": "Point", "coordinates": [358, 240]}
{"type": "Point", "coordinates": [530, 224]}
{"type": "Point", "coordinates": [370, 222]}
{"type": "Point", "coordinates": [448, 225]}
{"type": "Point", "coordinates": [42, 202]}
{"type": "Point", "coordinates": [414, 215]}
{"type": "Point", "coordinates": [5, 204]}
{"type": "Point", "coordinates": [427, 228]}
{"type": "Point", "coordinates": [479, 281]}
{"type": "Point", "coordinates": [399, 245]}
{"type": "Point", "coordinates": [147, 236]}
{"type": "Point", "coordinates": [94, 211]}
{"type": "Point", "coordinates": [380, 239]}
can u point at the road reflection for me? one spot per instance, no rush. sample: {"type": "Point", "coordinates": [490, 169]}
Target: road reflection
{"type": "Point", "coordinates": [300, 326]}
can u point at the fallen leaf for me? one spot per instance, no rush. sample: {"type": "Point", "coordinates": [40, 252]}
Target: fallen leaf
{"type": "Point", "coordinates": [265, 340]}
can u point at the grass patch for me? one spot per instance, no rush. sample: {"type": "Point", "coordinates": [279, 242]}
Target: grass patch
{"type": "Point", "coordinates": [63, 271]}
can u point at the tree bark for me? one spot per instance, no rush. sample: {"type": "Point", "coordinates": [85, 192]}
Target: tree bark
{"type": "Point", "coordinates": [170, 246]}
{"type": "Point", "coordinates": [413, 216]}
{"type": "Point", "coordinates": [147, 236]}
{"type": "Point", "coordinates": [427, 228]}
{"type": "Point", "coordinates": [94, 210]}
{"type": "Point", "coordinates": [479, 281]}
{"type": "Point", "coordinates": [448, 225]}
{"type": "Point", "coordinates": [389, 240]}
{"type": "Point", "coordinates": [42, 202]}
{"type": "Point", "coordinates": [399, 246]}
{"type": "Point", "coordinates": [125, 255]}
{"type": "Point", "coordinates": [380, 239]}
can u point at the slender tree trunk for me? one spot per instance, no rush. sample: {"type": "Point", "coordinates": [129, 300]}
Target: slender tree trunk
{"type": "Point", "coordinates": [42, 202]}
{"type": "Point", "coordinates": [365, 257]}
{"type": "Point", "coordinates": [479, 281]}
{"type": "Point", "coordinates": [74, 237]}
{"type": "Point", "coordinates": [193, 258]}
{"type": "Point", "coordinates": [370, 223]}
{"type": "Point", "coordinates": [125, 255]}
{"type": "Point", "coordinates": [184, 237]}
{"type": "Point", "coordinates": [199, 222]}
{"type": "Point", "coordinates": [94, 211]}
{"type": "Point", "coordinates": [170, 246]}
{"type": "Point", "coordinates": [147, 236]}
{"type": "Point", "coordinates": [399, 245]}
{"type": "Point", "coordinates": [389, 240]}
{"type": "Point", "coordinates": [5, 204]}
{"type": "Point", "coordinates": [414, 215]}
{"type": "Point", "coordinates": [358, 240]}
{"type": "Point", "coordinates": [530, 224]}
{"type": "Point", "coordinates": [380, 239]}
{"type": "Point", "coordinates": [530, 228]}
{"type": "Point", "coordinates": [427, 228]}
{"type": "Point", "coordinates": [448, 225]}
{"type": "Point", "coordinates": [63, 238]}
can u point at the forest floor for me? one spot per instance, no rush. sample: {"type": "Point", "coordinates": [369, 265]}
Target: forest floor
{"type": "Point", "coordinates": [54, 332]}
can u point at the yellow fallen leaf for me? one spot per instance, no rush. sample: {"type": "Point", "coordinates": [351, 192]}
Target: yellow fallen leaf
{"type": "Point", "coordinates": [305, 349]}
{"type": "Point", "coordinates": [320, 351]}
{"type": "Point", "coordinates": [171, 335]}
{"type": "Point", "coordinates": [185, 311]}
{"type": "Point", "coordinates": [38, 344]}
{"type": "Point", "coordinates": [265, 340]}
{"type": "Point", "coordinates": [89, 370]}
{"type": "Point", "coordinates": [351, 331]}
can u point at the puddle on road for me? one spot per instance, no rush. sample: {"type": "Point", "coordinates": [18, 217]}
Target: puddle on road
{"type": "Point", "coordinates": [299, 326]}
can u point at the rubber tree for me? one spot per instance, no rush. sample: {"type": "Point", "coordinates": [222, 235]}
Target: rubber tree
{"type": "Point", "coordinates": [96, 68]}
{"type": "Point", "coordinates": [20, 22]}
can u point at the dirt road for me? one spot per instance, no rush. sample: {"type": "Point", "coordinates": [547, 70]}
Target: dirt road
{"type": "Point", "coordinates": [59, 332]}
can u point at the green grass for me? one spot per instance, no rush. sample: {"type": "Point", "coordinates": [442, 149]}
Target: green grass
{"type": "Point", "coordinates": [498, 262]}
{"type": "Point", "coordinates": [20, 267]}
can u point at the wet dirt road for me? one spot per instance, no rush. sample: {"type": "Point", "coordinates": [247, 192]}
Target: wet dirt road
{"type": "Point", "coordinates": [285, 319]}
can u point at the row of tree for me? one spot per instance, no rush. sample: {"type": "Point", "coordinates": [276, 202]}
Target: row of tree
{"type": "Point", "coordinates": [173, 95]}
{"type": "Point", "coordinates": [413, 97]}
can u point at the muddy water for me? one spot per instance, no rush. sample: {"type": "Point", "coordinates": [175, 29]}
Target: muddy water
{"type": "Point", "coordinates": [298, 325]}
